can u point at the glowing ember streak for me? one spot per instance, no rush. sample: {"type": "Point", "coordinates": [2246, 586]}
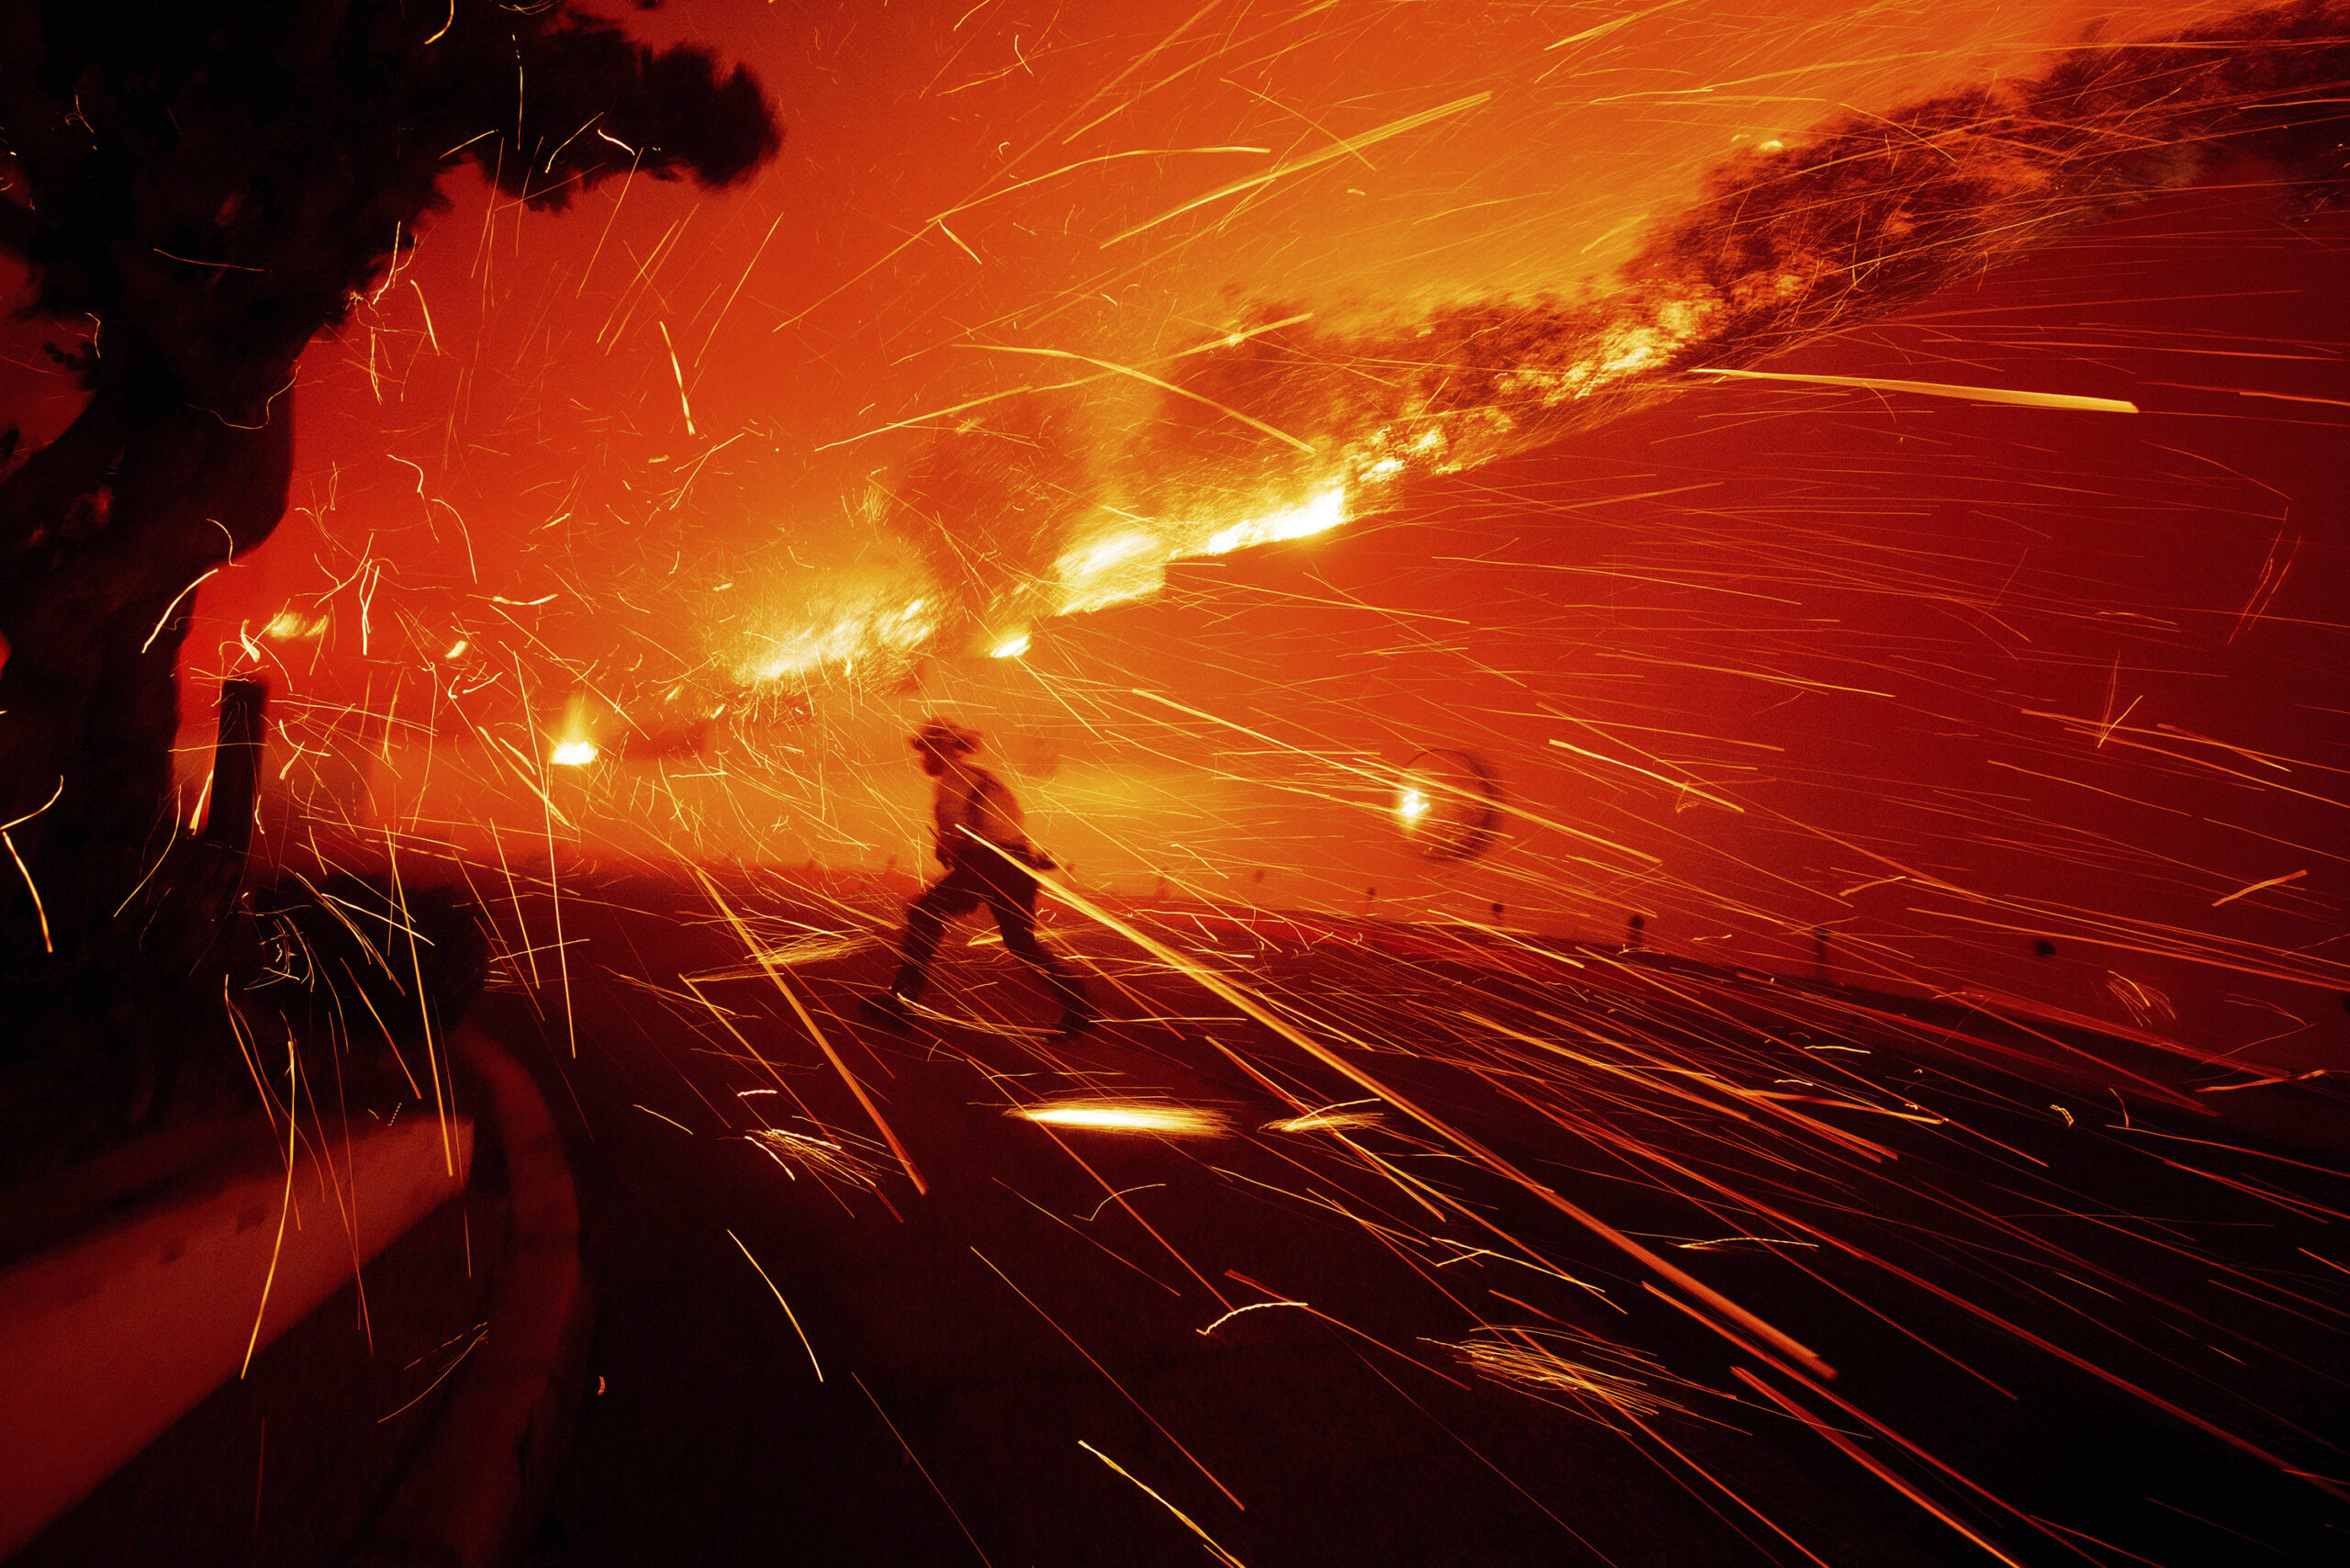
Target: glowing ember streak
{"type": "Point", "coordinates": [46, 944]}
{"type": "Point", "coordinates": [819, 1156]}
{"type": "Point", "coordinates": [1943, 390]}
{"type": "Point", "coordinates": [1311, 160]}
{"type": "Point", "coordinates": [1219, 1554]}
{"type": "Point", "coordinates": [818, 948]}
{"type": "Point", "coordinates": [2271, 882]}
{"type": "Point", "coordinates": [572, 754]}
{"type": "Point", "coordinates": [775, 974]}
{"type": "Point", "coordinates": [172, 609]}
{"type": "Point", "coordinates": [1610, 1374]}
{"type": "Point", "coordinates": [1252, 1307]}
{"type": "Point", "coordinates": [1330, 1119]}
{"type": "Point", "coordinates": [790, 1316]}
{"type": "Point", "coordinates": [1128, 1117]}
{"type": "Point", "coordinates": [39, 908]}
{"type": "Point", "coordinates": [278, 1247]}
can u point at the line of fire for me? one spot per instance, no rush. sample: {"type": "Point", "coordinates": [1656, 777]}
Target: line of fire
{"type": "Point", "coordinates": [1266, 781]}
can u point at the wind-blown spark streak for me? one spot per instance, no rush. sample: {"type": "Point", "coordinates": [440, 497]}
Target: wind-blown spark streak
{"type": "Point", "coordinates": [789, 1314]}
{"type": "Point", "coordinates": [1121, 1387]}
{"type": "Point", "coordinates": [1596, 1370]}
{"type": "Point", "coordinates": [775, 973]}
{"type": "Point", "coordinates": [1313, 159]}
{"type": "Point", "coordinates": [1189, 1523]}
{"type": "Point", "coordinates": [1247, 1003]}
{"type": "Point", "coordinates": [2021, 399]}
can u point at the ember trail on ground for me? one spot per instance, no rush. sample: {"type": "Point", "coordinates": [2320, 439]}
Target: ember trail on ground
{"type": "Point", "coordinates": [2049, 1283]}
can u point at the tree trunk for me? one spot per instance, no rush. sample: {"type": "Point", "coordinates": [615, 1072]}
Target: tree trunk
{"type": "Point", "coordinates": [139, 499]}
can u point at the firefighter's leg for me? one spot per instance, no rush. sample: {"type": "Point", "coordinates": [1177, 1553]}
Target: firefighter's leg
{"type": "Point", "coordinates": [926, 919]}
{"type": "Point", "coordinates": [1013, 896]}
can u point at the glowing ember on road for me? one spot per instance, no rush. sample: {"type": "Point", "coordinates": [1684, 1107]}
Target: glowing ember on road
{"type": "Point", "coordinates": [1128, 1117]}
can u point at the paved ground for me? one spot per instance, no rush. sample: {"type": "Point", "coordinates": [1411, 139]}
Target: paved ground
{"type": "Point", "coordinates": [1429, 1362]}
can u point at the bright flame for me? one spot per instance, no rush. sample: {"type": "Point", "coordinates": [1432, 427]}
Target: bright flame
{"type": "Point", "coordinates": [1107, 571]}
{"type": "Point", "coordinates": [1094, 559]}
{"type": "Point", "coordinates": [574, 754]}
{"type": "Point", "coordinates": [293, 626]}
{"type": "Point", "coordinates": [896, 608]}
{"type": "Point", "coordinates": [1128, 1117]}
{"type": "Point", "coordinates": [1412, 805]}
{"type": "Point", "coordinates": [1321, 514]}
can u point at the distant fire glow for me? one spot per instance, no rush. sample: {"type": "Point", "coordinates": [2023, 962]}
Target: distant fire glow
{"type": "Point", "coordinates": [1128, 1117]}
{"type": "Point", "coordinates": [1631, 692]}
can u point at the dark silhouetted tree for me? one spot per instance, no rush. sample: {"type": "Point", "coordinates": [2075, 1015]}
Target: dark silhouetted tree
{"type": "Point", "coordinates": [205, 185]}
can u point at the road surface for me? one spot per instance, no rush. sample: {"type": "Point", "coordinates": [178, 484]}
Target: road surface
{"type": "Point", "coordinates": [1599, 1258]}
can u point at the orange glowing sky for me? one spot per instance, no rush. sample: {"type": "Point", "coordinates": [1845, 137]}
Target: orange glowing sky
{"type": "Point", "coordinates": [558, 460]}
{"type": "Point", "coordinates": [504, 421]}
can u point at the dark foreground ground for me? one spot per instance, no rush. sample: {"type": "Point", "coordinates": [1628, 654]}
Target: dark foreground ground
{"type": "Point", "coordinates": [1364, 1345]}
